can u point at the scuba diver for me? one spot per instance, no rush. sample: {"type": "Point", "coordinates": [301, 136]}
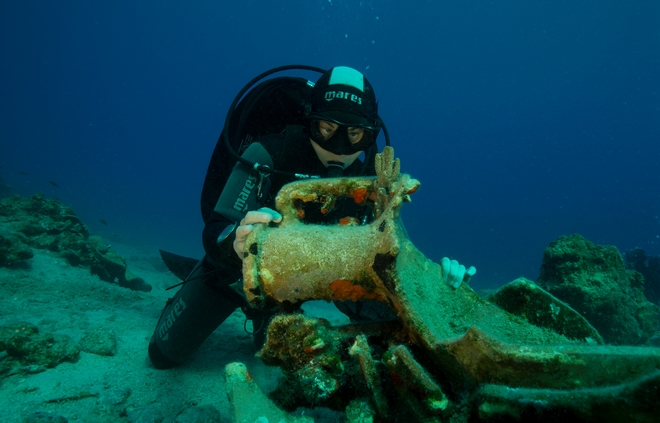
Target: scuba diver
{"type": "Point", "coordinates": [283, 129]}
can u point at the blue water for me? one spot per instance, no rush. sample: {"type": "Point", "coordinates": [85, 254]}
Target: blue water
{"type": "Point", "coordinates": [524, 121]}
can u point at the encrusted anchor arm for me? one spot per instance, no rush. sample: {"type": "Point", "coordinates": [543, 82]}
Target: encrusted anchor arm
{"type": "Point", "coordinates": [392, 188]}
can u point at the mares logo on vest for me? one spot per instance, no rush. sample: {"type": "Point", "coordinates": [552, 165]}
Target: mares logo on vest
{"type": "Point", "coordinates": [175, 312]}
{"type": "Point", "coordinates": [241, 202]}
{"type": "Point", "coordinates": [331, 95]}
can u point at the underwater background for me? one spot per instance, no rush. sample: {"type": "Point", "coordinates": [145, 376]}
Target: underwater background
{"type": "Point", "coordinates": [524, 121]}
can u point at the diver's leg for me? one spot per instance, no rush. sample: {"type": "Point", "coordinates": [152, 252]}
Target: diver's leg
{"type": "Point", "coordinates": [199, 307]}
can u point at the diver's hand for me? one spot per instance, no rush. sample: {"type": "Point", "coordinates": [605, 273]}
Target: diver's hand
{"type": "Point", "coordinates": [264, 216]}
{"type": "Point", "coordinates": [455, 273]}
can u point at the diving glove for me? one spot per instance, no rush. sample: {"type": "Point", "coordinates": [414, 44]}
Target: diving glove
{"type": "Point", "coordinates": [455, 273]}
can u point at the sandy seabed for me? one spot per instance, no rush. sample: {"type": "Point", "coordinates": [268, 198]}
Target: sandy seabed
{"type": "Point", "coordinates": [47, 292]}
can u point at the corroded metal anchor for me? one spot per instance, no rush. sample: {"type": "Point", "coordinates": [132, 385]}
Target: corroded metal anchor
{"type": "Point", "coordinates": [494, 356]}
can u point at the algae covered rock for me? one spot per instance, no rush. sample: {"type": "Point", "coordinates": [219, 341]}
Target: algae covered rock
{"type": "Point", "coordinates": [38, 222]}
{"type": "Point", "coordinates": [13, 249]}
{"type": "Point", "coordinates": [594, 281]}
{"type": "Point", "coordinates": [24, 343]}
{"type": "Point", "coordinates": [540, 308]}
{"type": "Point", "coordinates": [42, 223]}
{"type": "Point", "coordinates": [316, 370]}
{"type": "Point", "coordinates": [99, 342]}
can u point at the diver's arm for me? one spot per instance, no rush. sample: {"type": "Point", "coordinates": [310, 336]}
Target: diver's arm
{"type": "Point", "coordinates": [262, 216]}
{"type": "Point", "coordinates": [245, 189]}
{"type": "Point", "coordinates": [222, 251]}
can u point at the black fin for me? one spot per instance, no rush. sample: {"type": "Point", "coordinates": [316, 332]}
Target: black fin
{"type": "Point", "coordinates": [179, 265]}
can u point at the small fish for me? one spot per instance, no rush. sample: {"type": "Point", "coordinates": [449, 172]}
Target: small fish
{"type": "Point", "coordinates": [22, 173]}
{"type": "Point", "coordinates": [103, 221]}
{"type": "Point", "coordinates": [53, 184]}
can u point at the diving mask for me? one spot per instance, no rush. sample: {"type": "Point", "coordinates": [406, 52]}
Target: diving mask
{"type": "Point", "coordinates": [341, 138]}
